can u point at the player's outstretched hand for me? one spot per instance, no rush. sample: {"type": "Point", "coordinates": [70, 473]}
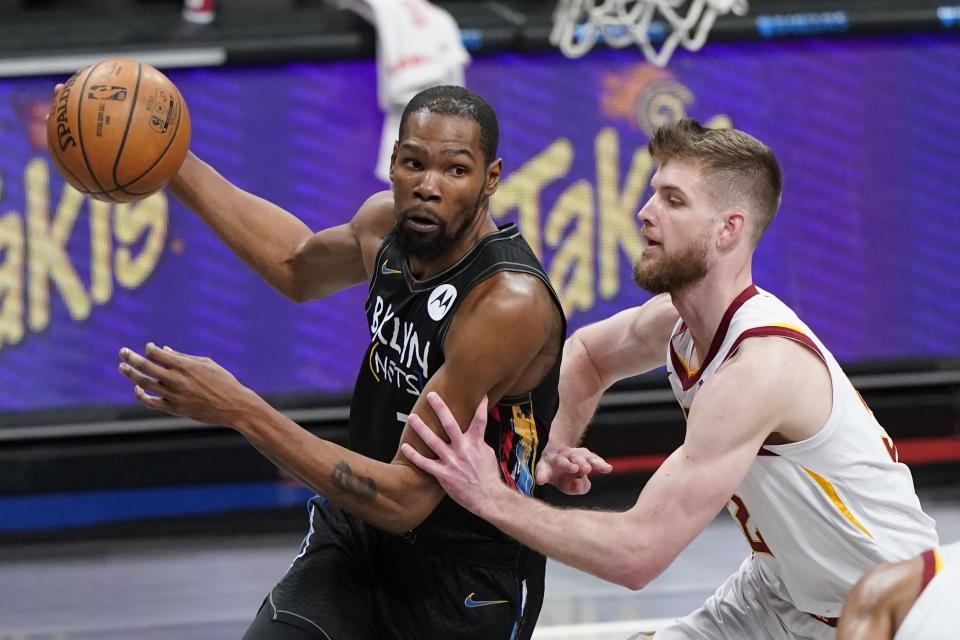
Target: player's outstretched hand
{"type": "Point", "coordinates": [184, 385]}
{"type": "Point", "coordinates": [466, 467]}
{"type": "Point", "coordinates": [569, 469]}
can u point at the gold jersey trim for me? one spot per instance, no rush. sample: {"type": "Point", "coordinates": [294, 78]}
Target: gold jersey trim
{"type": "Point", "coordinates": [831, 492]}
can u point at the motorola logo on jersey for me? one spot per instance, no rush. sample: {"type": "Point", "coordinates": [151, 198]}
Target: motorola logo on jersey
{"type": "Point", "coordinates": [441, 300]}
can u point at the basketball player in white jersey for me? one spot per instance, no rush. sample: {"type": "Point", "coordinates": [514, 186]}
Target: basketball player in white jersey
{"type": "Point", "coordinates": [911, 600]}
{"type": "Point", "coordinates": [775, 431]}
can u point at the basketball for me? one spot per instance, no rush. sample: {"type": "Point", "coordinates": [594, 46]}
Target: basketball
{"type": "Point", "coordinates": [118, 130]}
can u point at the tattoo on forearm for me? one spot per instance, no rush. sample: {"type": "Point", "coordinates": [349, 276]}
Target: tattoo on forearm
{"type": "Point", "coordinates": [363, 488]}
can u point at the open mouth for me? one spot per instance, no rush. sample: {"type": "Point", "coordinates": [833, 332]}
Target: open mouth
{"type": "Point", "coordinates": [420, 223]}
{"type": "Point", "coordinates": [420, 218]}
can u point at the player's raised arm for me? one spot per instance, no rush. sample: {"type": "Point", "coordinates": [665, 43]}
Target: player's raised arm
{"type": "Point", "coordinates": [282, 249]}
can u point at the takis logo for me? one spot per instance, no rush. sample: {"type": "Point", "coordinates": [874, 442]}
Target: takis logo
{"type": "Point", "coordinates": [441, 300]}
{"type": "Point", "coordinates": [470, 603]}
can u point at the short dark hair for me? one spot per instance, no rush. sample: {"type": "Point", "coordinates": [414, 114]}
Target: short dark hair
{"type": "Point", "coordinates": [739, 169]}
{"type": "Point", "coordinates": [456, 101]}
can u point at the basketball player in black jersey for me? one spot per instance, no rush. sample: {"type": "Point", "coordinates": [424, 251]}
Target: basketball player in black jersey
{"type": "Point", "coordinates": [456, 306]}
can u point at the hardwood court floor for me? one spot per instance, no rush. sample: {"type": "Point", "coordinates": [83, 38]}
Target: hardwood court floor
{"type": "Point", "coordinates": [209, 588]}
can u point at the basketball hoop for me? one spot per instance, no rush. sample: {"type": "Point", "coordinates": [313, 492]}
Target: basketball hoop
{"type": "Point", "coordinates": [579, 24]}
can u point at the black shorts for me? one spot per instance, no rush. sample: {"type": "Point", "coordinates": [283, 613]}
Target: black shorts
{"type": "Point", "coordinates": [352, 581]}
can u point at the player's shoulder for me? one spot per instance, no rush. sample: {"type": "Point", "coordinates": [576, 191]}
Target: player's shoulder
{"type": "Point", "coordinates": [381, 201]}
{"type": "Point", "coordinates": [512, 302]}
{"type": "Point", "coordinates": [512, 290]}
{"type": "Point", "coordinates": [375, 216]}
{"type": "Point", "coordinates": [656, 314]}
{"type": "Point", "coordinates": [774, 369]}
{"type": "Point", "coordinates": [781, 356]}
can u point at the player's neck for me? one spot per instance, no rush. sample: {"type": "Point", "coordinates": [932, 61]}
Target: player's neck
{"type": "Point", "coordinates": [703, 303]}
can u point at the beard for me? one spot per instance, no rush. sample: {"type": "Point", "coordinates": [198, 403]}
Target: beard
{"type": "Point", "coordinates": [435, 244]}
{"type": "Point", "coordinates": [672, 273]}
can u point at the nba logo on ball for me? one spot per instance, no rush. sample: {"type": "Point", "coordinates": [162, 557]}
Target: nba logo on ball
{"type": "Point", "coordinates": [107, 92]}
{"type": "Point", "coordinates": [118, 130]}
{"type": "Point", "coordinates": [441, 299]}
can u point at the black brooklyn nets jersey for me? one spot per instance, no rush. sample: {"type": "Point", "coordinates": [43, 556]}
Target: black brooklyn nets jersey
{"type": "Point", "coordinates": [408, 321]}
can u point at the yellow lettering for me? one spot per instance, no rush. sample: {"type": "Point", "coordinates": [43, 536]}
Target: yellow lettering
{"type": "Point", "coordinates": [571, 271]}
{"type": "Point", "coordinates": [11, 282]}
{"type": "Point", "coordinates": [46, 242]}
{"type": "Point", "coordinates": [619, 228]}
{"type": "Point", "coordinates": [101, 281]}
{"type": "Point", "coordinates": [131, 222]}
{"type": "Point", "coordinates": [522, 189]}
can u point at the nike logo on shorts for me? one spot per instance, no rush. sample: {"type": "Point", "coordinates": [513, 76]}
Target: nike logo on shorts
{"type": "Point", "coordinates": [470, 603]}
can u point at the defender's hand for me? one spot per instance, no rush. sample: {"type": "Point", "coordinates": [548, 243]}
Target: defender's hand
{"type": "Point", "coordinates": [569, 469]}
{"type": "Point", "coordinates": [466, 467]}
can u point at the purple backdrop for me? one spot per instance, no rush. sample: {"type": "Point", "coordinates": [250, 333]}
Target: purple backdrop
{"type": "Point", "coordinates": [866, 246]}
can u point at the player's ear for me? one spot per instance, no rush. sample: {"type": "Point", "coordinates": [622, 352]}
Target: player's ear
{"type": "Point", "coordinates": [494, 171]}
{"type": "Point", "coordinates": [393, 158]}
{"type": "Point", "coordinates": [735, 226]}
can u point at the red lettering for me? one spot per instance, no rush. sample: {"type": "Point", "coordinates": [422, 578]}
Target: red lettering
{"type": "Point", "coordinates": [739, 511]}
{"type": "Point", "coordinates": [891, 448]}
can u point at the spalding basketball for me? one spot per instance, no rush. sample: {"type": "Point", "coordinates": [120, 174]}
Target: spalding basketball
{"type": "Point", "coordinates": [118, 130]}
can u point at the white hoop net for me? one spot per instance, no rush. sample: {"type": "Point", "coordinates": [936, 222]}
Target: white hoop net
{"type": "Point", "coordinates": [579, 24]}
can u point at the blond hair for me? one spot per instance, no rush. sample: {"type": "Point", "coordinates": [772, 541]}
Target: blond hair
{"type": "Point", "coordinates": [740, 171]}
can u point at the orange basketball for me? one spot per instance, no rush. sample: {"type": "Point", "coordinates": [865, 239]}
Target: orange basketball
{"type": "Point", "coordinates": [118, 130]}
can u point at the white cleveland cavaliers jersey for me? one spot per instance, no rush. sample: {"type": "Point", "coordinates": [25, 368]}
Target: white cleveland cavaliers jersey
{"type": "Point", "coordinates": [821, 512]}
{"type": "Point", "coordinates": [934, 615]}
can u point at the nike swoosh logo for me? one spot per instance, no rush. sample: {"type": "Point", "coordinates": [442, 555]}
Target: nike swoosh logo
{"type": "Point", "coordinates": [384, 269]}
{"type": "Point", "coordinates": [471, 603]}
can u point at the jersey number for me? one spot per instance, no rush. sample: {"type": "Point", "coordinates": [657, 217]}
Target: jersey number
{"type": "Point", "coordinates": [738, 510]}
